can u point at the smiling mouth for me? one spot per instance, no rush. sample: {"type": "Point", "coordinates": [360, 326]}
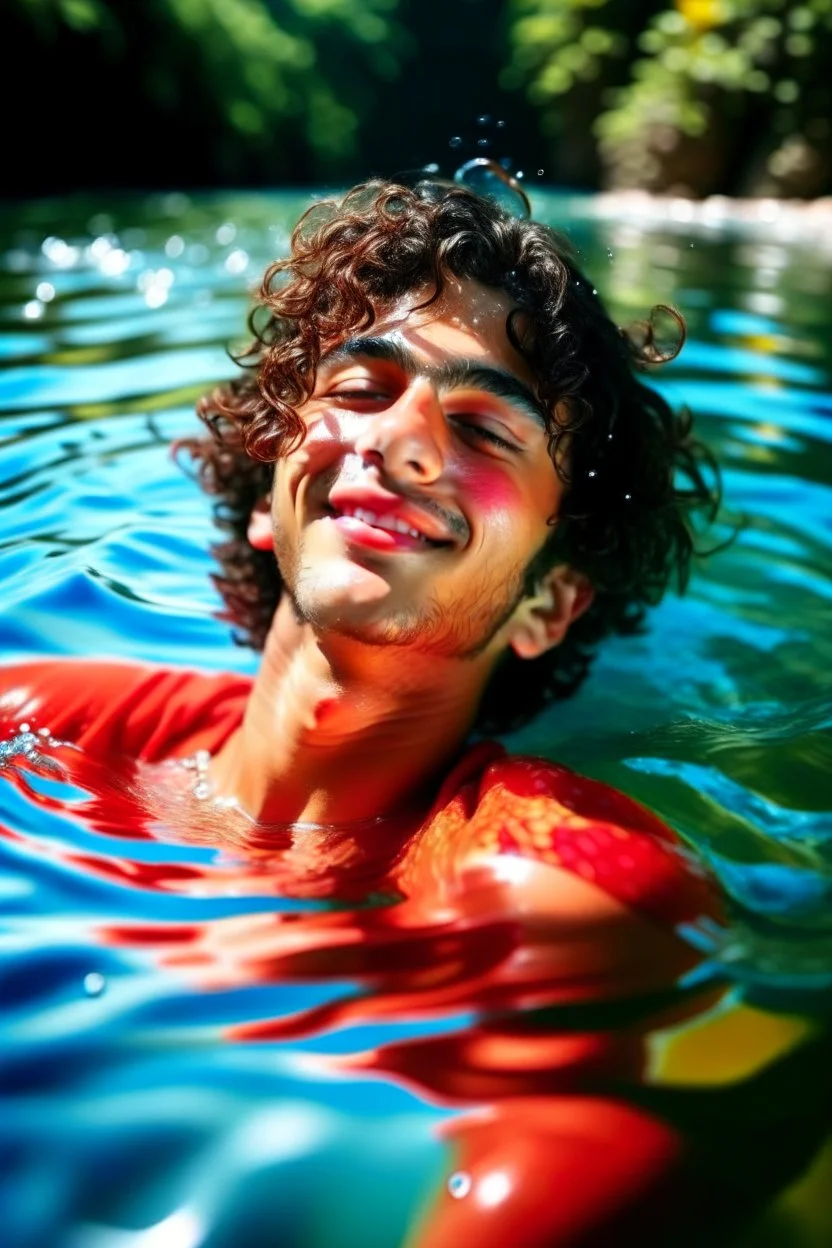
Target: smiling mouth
{"type": "Point", "coordinates": [385, 531]}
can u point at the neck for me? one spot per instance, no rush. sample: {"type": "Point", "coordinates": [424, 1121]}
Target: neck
{"type": "Point", "coordinates": [337, 731]}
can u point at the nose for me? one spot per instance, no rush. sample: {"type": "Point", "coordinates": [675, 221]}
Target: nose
{"type": "Point", "coordinates": [407, 439]}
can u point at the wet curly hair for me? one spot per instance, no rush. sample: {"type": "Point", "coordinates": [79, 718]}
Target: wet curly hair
{"type": "Point", "coordinates": [635, 477]}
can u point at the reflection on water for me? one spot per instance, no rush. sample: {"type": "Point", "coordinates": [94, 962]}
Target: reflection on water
{"type": "Point", "coordinates": [192, 1059]}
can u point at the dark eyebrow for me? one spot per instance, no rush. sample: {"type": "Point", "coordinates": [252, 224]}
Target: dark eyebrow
{"type": "Point", "coordinates": [453, 374]}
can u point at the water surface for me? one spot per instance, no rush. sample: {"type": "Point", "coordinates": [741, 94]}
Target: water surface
{"type": "Point", "coordinates": [131, 1117]}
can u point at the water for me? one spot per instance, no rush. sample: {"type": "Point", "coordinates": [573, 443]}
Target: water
{"type": "Point", "coordinates": [142, 1105]}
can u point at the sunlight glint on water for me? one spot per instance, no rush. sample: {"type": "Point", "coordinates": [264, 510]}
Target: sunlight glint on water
{"type": "Point", "coordinates": [718, 717]}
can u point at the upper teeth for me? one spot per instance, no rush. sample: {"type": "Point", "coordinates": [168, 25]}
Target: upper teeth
{"type": "Point", "coordinates": [383, 522]}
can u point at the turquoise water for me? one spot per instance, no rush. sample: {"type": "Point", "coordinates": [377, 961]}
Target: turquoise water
{"type": "Point", "coordinates": [126, 1115]}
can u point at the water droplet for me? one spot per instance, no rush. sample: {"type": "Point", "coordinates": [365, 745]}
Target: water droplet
{"type": "Point", "coordinates": [483, 119]}
{"type": "Point", "coordinates": [483, 142]}
{"type": "Point", "coordinates": [456, 141]}
{"type": "Point", "coordinates": [45, 291]}
{"type": "Point", "coordinates": [691, 244]}
{"type": "Point", "coordinates": [25, 728]}
{"type": "Point", "coordinates": [594, 291]}
{"type": "Point", "coordinates": [226, 233]}
{"type": "Point", "coordinates": [94, 984]}
{"type": "Point", "coordinates": [519, 174]}
{"type": "Point", "coordinates": [609, 437]}
{"type": "Point", "coordinates": [486, 177]}
{"type": "Point", "coordinates": [33, 310]}
{"type": "Point", "coordinates": [592, 473]}
{"type": "Point", "coordinates": [202, 790]}
{"type": "Point", "coordinates": [459, 1184]}
{"type": "Point", "coordinates": [628, 497]}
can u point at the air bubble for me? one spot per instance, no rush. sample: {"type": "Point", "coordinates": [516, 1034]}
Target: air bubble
{"type": "Point", "coordinates": [592, 473]}
{"type": "Point", "coordinates": [456, 141]}
{"type": "Point", "coordinates": [460, 1184]}
{"type": "Point", "coordinates": [540, 173]}
{"type": "Point", "coordinates": [431, 168]}
{"type": "Point", "coordinates": [94, 984]}
{"type": "Point", "coordinates": [501, 125]}
{"type": "Point", "coordinates": [483, 119]}
{"type": "Point", "coordinates": [483, 142]}
{"type": "Point", "coordinates": [610, 255]}
{"type": "Point", "coordinates": [486, 177]}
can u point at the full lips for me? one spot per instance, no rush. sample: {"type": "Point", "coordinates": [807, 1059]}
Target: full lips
{"type": "Point", "coordinates": [364, 534]}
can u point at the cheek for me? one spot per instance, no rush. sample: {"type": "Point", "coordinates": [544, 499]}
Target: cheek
{"type": "Point", "coordinates": [516, 512]}
{"type": "Point", "coordinates": [493, 492]}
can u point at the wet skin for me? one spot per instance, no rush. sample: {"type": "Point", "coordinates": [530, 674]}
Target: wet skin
{"type": "Point", "coordinates": [383, 642]}
{"type": "Point", "coordinates": [433, 415]}
{"type": "Point", "coordinates": [380, 649]}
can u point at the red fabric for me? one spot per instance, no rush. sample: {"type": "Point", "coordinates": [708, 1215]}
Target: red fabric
{"type": "Point", "coordinates": [490, 802]}
{"type": "Point", "coordinates": [145, 712]}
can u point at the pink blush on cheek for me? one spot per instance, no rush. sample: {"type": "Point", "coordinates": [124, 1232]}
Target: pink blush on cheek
{"type": "Point", "coordinates": [493, 492]}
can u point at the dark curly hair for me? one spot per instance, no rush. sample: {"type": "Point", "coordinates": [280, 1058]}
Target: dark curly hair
{"type": "Point", "coordinates": [634, 474]}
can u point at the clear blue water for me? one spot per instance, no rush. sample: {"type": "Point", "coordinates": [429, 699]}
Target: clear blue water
{"type": "Point", "coordinates": [128, 1121]}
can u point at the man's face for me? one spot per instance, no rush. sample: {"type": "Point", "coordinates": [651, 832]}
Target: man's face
{"type": "Point", "coordinates": [421, 492]}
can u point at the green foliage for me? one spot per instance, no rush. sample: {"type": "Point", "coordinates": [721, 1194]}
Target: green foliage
{"type": "Point", "coordinates": [265, 64]}
{"type": "Point", "coordinates": [696, 84]}
{"type": "Point", "coordinates": [558, 44]}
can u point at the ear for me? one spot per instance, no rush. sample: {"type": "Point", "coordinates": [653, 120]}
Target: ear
{"type": "Point", "coordinates": [540, 621]}
{"type": "Point", "coordinates": [259, 532]}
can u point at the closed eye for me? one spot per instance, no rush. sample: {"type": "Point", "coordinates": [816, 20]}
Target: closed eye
{"type": "Point", "coordinates": [362, 396]}
{"type": "Point", "coordinates": [488, 435]}
{"type": "Point", "coordinates": [471, 427]}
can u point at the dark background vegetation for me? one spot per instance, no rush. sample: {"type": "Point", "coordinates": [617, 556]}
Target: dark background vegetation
{"type": "Point", "coordinates": [692, 97]}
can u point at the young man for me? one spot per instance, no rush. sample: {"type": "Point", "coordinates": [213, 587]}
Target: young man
{"type": "Point", "coordinates": [444, 485]}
